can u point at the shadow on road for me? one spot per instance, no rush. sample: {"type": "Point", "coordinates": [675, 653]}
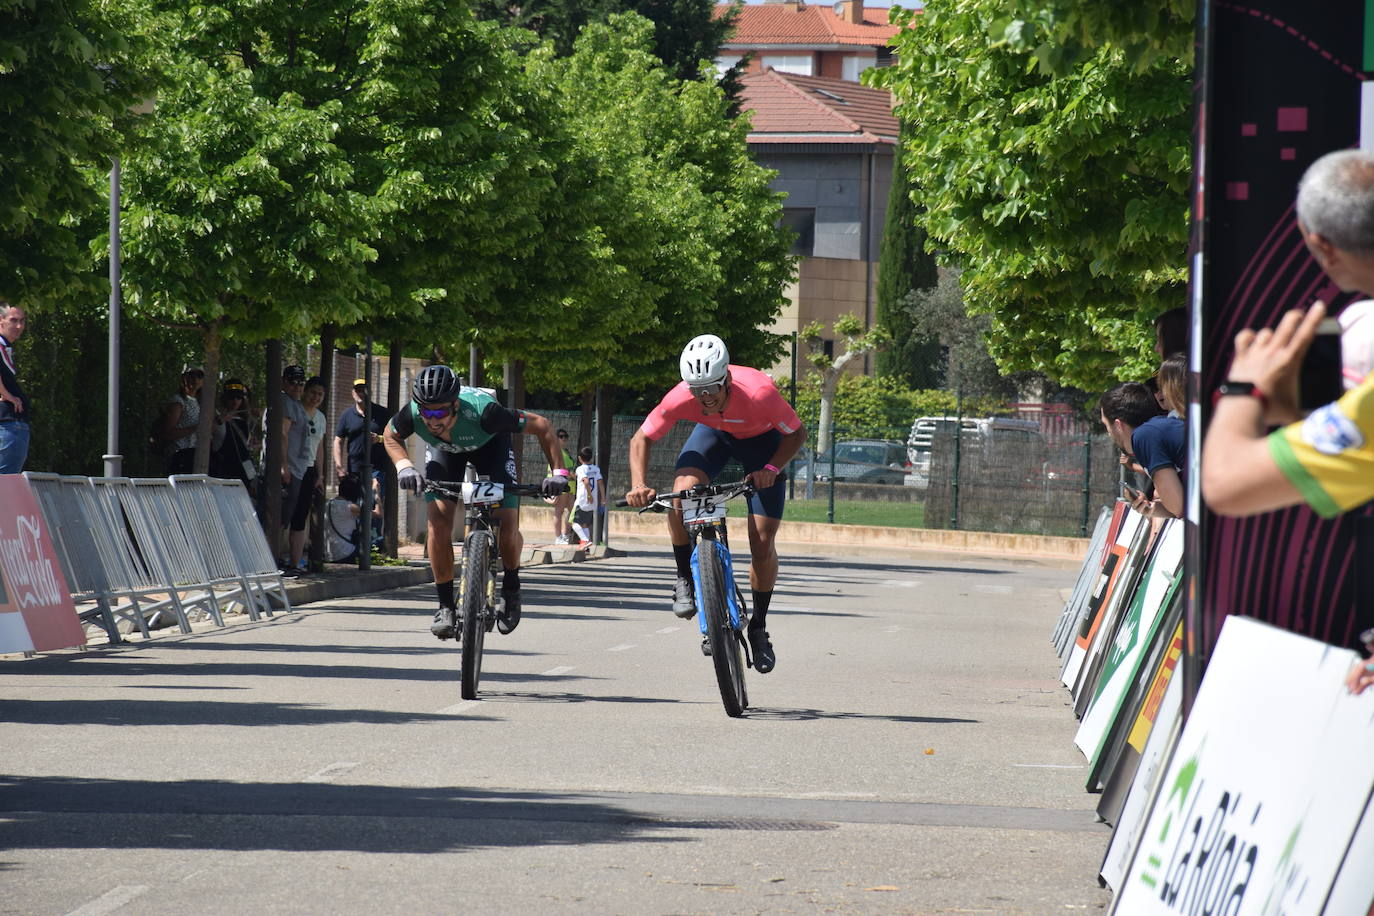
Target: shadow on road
{"type": "Point", "coordinates": [806, 715]}
{"type": "Point", "coordinates": [58, 813]}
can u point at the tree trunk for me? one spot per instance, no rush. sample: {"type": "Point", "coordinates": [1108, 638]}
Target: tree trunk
{"type": "Point", "coordinates": [391, 501]}
{"type": "Point", "coordinates": [584, 428]}
{"type": "Point", "coordinates": [830, 382]}
{"type": "Point", "coordinates": [209, 395]}
{"type": "Point", "coordinates": [605, 418]}
{"type": "Point", "coordinates": [328, 335]}
{"type": "Point", "coordinates": [270, 478]}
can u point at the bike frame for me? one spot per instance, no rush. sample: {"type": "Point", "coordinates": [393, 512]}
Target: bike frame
{"type": "Point", "coordinates": [716, 531]}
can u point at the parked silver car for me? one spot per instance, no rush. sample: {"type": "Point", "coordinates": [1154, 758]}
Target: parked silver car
{"type": "Point", "coordinates": [865, 461]}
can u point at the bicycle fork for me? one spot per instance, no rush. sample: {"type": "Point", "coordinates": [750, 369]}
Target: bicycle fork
{"type": "Point", "coordinates": [734, 601]}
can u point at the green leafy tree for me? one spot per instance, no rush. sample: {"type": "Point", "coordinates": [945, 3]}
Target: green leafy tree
{"type": "Point", "coordinates": [942, 315]}
{"type": "Point", "coordinates": [849, 331]}
{"type": "Point", "coordinates": [70, 70]}
{"type": "Point", "coordinates": [329, 163]}
{"type": "Point", "coordinates": [685, 221]}
{"type": "Point", "coordinates": [1060, 34]}
{"type": "Point", "coordinates": [686, 32]}
{"type": "Point", "coordinates": [1063, 198]}
{"type": "Point", "coordinates": [904, 265]}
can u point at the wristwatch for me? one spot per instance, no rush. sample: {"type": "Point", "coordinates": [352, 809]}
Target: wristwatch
{"type": "Point", "coordinates": [1241, 389]}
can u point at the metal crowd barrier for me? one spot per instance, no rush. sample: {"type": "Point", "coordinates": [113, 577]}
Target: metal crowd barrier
{"type": "Point", "coordinates": [219, 517]}
{"type": "Point", "coordinates": [139, 549]}
{"type": "Point", "coordinates": [249, 545]}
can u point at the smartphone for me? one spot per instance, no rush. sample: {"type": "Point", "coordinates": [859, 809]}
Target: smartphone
{"type": "Point", "coordinates": [1129, 493]}
{"type": "Point", "coordinates": [1320, 380]}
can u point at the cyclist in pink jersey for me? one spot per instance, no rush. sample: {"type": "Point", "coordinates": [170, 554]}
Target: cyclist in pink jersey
{"type": "Point", "coordinates": [738, 413]}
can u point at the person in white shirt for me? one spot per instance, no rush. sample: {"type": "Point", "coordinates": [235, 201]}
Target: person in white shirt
{"type": "Point", "coordinates": [590, 495]}
{"type": "Point", "coordinates": [310, 480]}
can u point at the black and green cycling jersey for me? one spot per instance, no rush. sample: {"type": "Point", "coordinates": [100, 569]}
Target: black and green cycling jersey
{"type": "Point", "coordinates": [480, 417]}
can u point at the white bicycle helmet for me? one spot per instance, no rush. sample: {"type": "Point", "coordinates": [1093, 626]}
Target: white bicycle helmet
{"type": "Point", "coordinates": [704, 360]}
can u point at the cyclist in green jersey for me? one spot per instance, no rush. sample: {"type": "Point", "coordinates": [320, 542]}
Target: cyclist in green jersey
{"type": "Point", "coordinates": [462, 425]}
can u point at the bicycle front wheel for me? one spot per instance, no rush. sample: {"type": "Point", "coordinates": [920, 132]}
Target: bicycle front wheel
{"type": "Point", "coordinates": [725, 648]}
{"type": "Point", "coordinates": [476, 595]}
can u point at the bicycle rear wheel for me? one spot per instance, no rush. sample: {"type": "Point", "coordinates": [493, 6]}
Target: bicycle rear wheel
{"type": "Point", "coordinates": [725, 648]}
{"type": "Point", "coordinates": [476, 595]}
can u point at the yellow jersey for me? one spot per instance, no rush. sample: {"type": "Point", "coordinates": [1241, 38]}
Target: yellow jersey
{"type": "Point", "coordinates": [1329, 456]}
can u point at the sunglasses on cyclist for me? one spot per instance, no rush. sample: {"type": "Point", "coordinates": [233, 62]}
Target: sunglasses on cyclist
{"type": "Point", "coordinates": [436, 413]}
{"type": "Point", "coordinates": [705, 391]}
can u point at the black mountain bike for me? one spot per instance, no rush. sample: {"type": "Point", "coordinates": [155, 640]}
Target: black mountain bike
{"type": "Point", "coordinates": [721, 611]}
{"type": "Point", "coordinates": [479, 597]}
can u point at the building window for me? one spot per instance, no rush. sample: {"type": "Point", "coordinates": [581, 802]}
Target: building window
{"type": "Point", "coordinates": [801, 220]}
{"type": "Point", "coordinates": [725, 61]}
{"type": "Point", "coordinates": [789, 63]}
{"type": "Point", "coordinates": [854, 64]}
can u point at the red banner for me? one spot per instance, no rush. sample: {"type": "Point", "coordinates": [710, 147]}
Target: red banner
{"type": "Point", "coordinates": [36, 610]}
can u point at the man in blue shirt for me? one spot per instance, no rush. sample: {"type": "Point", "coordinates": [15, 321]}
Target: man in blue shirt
{"type": "Point", "coordinates": [14, 406]}
{"type": "Point", "coordinates": [1157, 442]}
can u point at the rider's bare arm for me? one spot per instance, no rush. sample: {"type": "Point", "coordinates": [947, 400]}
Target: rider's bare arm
{"type": "Point", "coordinates": [396, 448]}
{"type": "Point", "coordinates": [540, 427]}
{"type": "Point", "coordinates": [640, 493]}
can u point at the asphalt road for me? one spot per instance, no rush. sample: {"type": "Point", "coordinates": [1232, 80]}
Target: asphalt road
{"type": "Point", "coordinates": [911, 753]}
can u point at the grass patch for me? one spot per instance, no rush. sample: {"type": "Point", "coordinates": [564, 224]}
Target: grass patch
{"type": "Point", "coordinates": [847, 512]}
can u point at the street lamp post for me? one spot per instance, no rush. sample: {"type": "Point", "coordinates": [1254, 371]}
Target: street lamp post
{"type": "Point", "coordinates": [114, 462]}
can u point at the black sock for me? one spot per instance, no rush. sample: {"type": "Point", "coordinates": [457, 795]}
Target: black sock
{"type": "Point", "coordinates": [445, 590]}
{"type": "Point", "coordinates": [511, 581]}
{"type": "Point", "coordinates": [760, 616]}
{"type": "Point", "coordinates": [682, 555]}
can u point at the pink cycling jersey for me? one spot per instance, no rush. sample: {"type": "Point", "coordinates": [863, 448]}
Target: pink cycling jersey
{"type": "Point", "coordinates": [753, 407]}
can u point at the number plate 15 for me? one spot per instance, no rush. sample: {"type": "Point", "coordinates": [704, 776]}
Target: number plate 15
{"type": "Point", "coordinates": [483, 492]}
{"type": "Point", "coordinates": [700, 510]}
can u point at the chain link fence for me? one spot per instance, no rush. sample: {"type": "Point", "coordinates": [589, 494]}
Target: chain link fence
{"type": "Point", "coordinates": [1028, 475]}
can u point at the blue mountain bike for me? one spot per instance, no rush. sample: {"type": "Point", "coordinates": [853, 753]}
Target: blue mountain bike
{"type": "Point", "coordinates": [721, 611]}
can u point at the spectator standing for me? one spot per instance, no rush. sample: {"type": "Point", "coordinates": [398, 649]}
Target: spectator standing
{"type": "Point", "coordinates": [1171, 332]}
{"type": "Point", "coordinates": [591, 496]}
{"type": "Point", "coordinates": [310, 480]}
{"type": "Point", "coordinates": [295, 458]}
{"type": "Point", "coordinates": [232, 458]}
{"type": "Point", "coordinates": [1325, 460]}
{"type": "Point", "coordinates": [1173, 385]}
{"type": "Point", "coordinates": [180, 418]}
{"type": "Point", "coordinates": [355, 433]}
{"type": "Point", "coordinates": [562, 503]}
{"type": "Point", "coordinates": [14, 405]}
{"type": "Point", "coordinates": [1157, 443]}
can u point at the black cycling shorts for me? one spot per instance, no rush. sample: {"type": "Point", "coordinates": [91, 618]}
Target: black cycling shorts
{"type": "Point", "coordinates": [495, 460]}
{"type": "Point", "coordinates": [708, 449]}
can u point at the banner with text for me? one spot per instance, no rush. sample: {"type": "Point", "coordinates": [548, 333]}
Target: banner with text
{"type": "Point", "coordinates": [36, 610]}
{"type": "Point", "coordinates": [1266, 787]}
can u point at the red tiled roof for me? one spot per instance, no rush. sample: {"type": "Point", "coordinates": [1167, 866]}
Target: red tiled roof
{"type": "Point", "coordinates": [776, 24]}
{"type": "Point", "coordinates": [790, 108]}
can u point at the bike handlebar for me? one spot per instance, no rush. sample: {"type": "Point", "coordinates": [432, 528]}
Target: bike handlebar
{"type": "Point", "coordinates": [663, 501]}
{"type": "Point", "coordinates": [442, 488]}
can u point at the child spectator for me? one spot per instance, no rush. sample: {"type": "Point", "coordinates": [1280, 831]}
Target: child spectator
{"type": "Point", "coordinates": [591, 496]}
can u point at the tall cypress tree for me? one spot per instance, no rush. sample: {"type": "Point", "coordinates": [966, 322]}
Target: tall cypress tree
{"type": "Point", "coordinates": [903, 267]}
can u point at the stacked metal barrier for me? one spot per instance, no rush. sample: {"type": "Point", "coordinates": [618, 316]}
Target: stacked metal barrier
{"type": "Point", "coordinates": [134, 550]}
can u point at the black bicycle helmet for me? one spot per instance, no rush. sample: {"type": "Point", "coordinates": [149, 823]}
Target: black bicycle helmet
{"type": "Point", "coordinates": [435, 385]}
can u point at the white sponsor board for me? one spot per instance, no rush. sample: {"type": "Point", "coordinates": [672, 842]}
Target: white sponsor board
{"type": "Point", "coordinates": [1134, 636]}
{"type": "Point", "coordinates": [1157, 747]}
{"type": "Point", "coordinates": [1106, 592]}
{"type": "Point", "coordinates": [1265, 788]}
